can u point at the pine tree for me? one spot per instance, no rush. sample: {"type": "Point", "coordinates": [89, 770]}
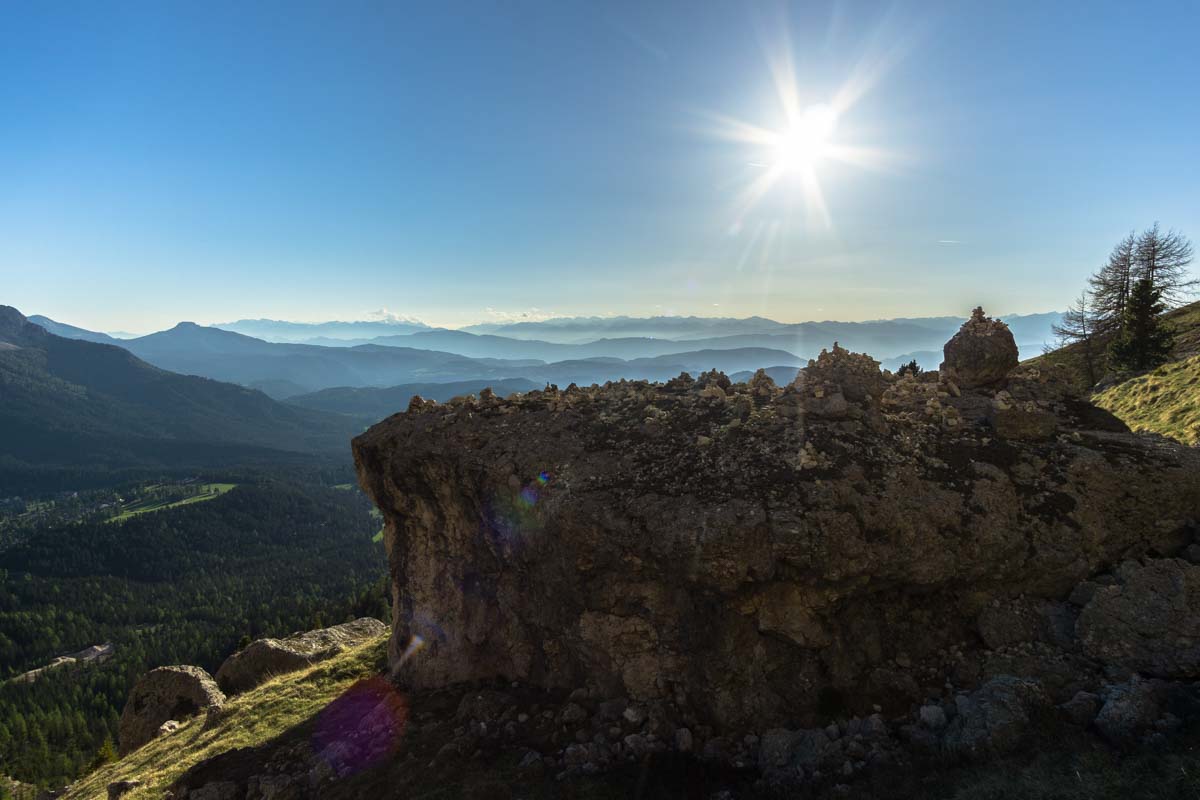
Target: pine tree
{"type": "Point", "coordinates": [1143, 342]}
{"type": "Point", "coordinates": [1163, 259]}
{"type": "Point", "coordinates": [106, 754]}
{"type": "Point", "coordinates": [1110, 286]}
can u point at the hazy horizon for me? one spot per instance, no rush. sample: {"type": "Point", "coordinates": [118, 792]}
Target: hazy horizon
{"type": "Point", "coordinates": [475, 163]}
{"type": "Point", "coordinates": [367, 317]}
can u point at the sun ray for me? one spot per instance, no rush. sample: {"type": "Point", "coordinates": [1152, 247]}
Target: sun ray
{"type": "Point", "coordinates": [810, 133]}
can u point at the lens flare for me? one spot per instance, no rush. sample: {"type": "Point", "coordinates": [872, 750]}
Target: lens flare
{"type": "Point", "coordinates": [362, 727]}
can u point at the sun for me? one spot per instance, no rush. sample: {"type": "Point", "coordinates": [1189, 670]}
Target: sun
{"type": "Point", "coordinates": [808, 140]}
{"type": "Point", "coordinates": [817, 133]}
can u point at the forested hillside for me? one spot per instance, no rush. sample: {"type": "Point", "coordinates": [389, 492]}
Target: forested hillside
{"type": "Point", "coordinates": [183, 585]}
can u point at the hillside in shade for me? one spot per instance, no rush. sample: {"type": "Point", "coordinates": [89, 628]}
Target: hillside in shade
{"type": "Point", "coordinates": [68, 401]}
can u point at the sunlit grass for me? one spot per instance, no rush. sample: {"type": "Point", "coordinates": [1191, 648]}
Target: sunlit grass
{"type": "Point", "coordinates": [208, 491]}
{"type": "Point", "coordinates": [247, 720]}
{"type": "Point", "coordinates": [1165, 401]}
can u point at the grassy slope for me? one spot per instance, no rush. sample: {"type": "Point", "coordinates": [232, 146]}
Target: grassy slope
{"type": "Point", "coordinates": [247, 720]}
{"type": "Point", "coordinates": [1165, 401]}
{"type": "Point", "coordinates": [209, 492]}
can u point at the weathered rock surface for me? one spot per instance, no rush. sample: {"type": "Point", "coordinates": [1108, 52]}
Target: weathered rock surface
{"type": "Point", "coordinates": [163, 694]}
{"type": "Point", "coordinates": [1130, 708]}
{"type": "Point", "coordinates": [265, 658]}
{"type": "Point", "coordinates": [1149, 622]}
{"type": "Point", "coordinates": [760, 555]}
{"type": "Point", "coordinates": [993, 718]}
{"type": "Point", "coordinates": [982, 353]}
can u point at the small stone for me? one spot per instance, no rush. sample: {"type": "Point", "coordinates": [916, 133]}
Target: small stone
{"type": "Point", "coordinates": [573, 713]}
{"type": "Point", "coordinates": [635, 715]}
{"type": "Point", "coordinates": [683, 740]}
{"type": "Point", "coordinates": [933, 717]}
{"type": "Point", "coordinates": [636, 745]}
{"type": "Point", "coordinates": [532, 760]}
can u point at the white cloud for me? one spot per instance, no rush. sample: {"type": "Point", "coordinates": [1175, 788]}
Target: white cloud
{"type": "Point", "coordinates": [527, 315]}
{"type": "Point", "coordinates": [384, 315]}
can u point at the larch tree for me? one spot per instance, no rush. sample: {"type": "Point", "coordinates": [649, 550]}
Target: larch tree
{"type": "Point", "coordinates": [1079, 326]}
{"type": "Point", "coordinates": [1110, 286]}
{"type": "Point", "coordinates": [1163, 259]}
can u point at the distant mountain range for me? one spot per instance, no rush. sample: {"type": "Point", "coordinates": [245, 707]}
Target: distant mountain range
{"type": "Point", "coordinates": [554, 351]}
{"type": "Point", "coordinates": [195, 395]}
{"type": "Point", "coordinates": [371, 405]}
{"type": "Point", "coordinates": [68, 401]}
{"type": "Point", "coordinates": [274, 330]}
{"type": "Point", "coordinates": [889, 333]}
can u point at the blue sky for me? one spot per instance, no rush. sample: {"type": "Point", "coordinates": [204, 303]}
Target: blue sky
{"type": "Point", "coordinates": [460, 162]}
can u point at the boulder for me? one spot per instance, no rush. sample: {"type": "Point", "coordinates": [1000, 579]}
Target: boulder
{"type": "Point", "coordinates": [265, 658]}
{"type": "Point", "coordinates": [1149, 622]}
{"type": "Point", "coordinates": [120, 788]}
{"type": "Point", "coordinates": [1081, 709]}
{"type": "Point", "coordinates": [993, 719]}
{"type": "Point", "coordinates": [982, 353]}
{"type": "Point", "coordinates": [163, 694]}
{"type": "Point", "coordinates": [1130, 708]}
{"type": "Point", "coordinates": [762, 564]}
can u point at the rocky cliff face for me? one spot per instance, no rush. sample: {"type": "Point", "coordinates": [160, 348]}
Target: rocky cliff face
{"type": "Point", "coordinates": [763, 555]}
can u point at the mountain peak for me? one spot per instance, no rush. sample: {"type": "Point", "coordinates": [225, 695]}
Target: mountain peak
{"type": "Point", "coordinates": [16, 329]}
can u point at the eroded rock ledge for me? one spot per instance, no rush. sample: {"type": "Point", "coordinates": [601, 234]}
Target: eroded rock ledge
{"type": "Point", "coordinates": [762, 555]}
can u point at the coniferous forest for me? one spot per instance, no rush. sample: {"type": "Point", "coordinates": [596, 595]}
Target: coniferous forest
{"type": "Point", "coordinates": [182, 585]}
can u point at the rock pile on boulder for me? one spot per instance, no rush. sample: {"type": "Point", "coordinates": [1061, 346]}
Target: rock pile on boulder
{"type": "Point", "coordinates": [982, 353]}
{"type": "Point", "coordinates": [266, 658]}
{"type": "Point", "coordinates": [162, 695]}
{"type": "Point", "coordinates": [758, 556]}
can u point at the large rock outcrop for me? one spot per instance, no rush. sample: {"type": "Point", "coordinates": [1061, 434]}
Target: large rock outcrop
{"type": "Point", "coordinates": [263, 659]}
{"type": "Point", "coordinates": [758, 555]}
{"type": "Point", "coordinates": [161, 695]}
